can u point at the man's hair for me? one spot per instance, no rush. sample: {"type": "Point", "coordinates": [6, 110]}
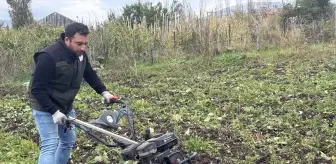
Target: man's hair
{"type": "Point", "coordinates": [74, 28]}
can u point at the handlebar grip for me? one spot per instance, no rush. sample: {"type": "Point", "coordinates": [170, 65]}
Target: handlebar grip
{"type": "Point", "coordinates": [115, 99]}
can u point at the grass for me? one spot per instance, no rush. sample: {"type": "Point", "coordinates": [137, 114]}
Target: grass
{"type": "Point", "coordinates": [15, 150]}
{"type": "Point", "coordinates": [273, 106]}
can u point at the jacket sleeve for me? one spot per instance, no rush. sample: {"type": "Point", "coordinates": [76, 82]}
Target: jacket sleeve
{"type": "Point", "coordinates": [44, 70]}
{"type": "Point", "coordinates": [91, 77]}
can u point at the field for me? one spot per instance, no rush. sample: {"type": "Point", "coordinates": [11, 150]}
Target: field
{"type": "Point", "coordinates": [272, 106]}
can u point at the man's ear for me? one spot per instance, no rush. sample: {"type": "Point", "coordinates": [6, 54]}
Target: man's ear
{"type": "Point", "coordinates": [67, 39]}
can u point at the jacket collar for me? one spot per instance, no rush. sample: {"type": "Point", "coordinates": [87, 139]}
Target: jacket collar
{"type": "Point", "coordinates": [72, 54]}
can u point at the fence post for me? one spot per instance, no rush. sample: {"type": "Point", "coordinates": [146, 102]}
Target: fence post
{"type": "Point", "coordinates": [229, 34]}
{"type": "Point", "coordinates": [174, 39]}
{"type": "Point", "coordinates": [258, 37]}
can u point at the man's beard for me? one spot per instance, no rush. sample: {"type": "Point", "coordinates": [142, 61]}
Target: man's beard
{"type": "Point", "coordinates": [80, 53]}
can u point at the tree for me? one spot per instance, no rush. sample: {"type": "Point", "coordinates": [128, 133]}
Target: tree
{"type": "Point", "coordinates": [308, 10]}
{"type": "Point", "coordinates": [20, 13]}
{"type": "Point", "coordinates": [176, 8]}
{"type": "Point", "coordinates": [139, 12]}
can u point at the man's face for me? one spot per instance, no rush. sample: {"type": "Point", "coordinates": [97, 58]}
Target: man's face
{"type": "Point", "coordinates": [77, 43]}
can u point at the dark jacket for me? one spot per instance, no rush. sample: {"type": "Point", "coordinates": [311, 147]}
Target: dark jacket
{"type": "Point", "coordinates": [57, 77]}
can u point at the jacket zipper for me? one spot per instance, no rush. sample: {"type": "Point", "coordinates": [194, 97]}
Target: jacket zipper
{"type": "Point", "coordinates": [74, 76]}
{"type": "Point", "coordinates": [75, 73]}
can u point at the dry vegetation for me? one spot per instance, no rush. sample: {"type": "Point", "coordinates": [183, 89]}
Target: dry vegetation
{"type": "Point", "coordinates": [119, 44]}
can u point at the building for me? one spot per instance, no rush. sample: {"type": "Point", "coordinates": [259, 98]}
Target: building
{"type": "Point", "coordinates": [4, 26]}
{"type": "Point", "coordinates": [56, 19]}
{"type": "Point", "coordinates": [272, 11]}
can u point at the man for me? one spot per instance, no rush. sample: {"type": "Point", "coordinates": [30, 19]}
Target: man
{"type": "Point", "coordinates": [56, 79]}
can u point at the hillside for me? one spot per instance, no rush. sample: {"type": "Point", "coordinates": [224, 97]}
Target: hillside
{"type": "Point", "coordinates": [274, 106]}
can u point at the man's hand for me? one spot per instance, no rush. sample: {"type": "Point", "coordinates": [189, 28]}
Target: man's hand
{"type": "Point", "coordinates": [108, 96]}
{"type": "Point", "coordinates": [59, 118]}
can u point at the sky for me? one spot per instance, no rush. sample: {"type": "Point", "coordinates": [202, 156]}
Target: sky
{"type": "Point", "coordinates": [91, 11]}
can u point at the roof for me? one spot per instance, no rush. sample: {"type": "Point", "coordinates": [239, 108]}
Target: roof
{"type": "Point", "coordinates": [4, 26]}
{"type": "Point", "coordinates": [56, 19]}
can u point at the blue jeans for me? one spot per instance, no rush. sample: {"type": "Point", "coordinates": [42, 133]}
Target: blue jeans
{"type": "Point", "coordinates": [55, 145]}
